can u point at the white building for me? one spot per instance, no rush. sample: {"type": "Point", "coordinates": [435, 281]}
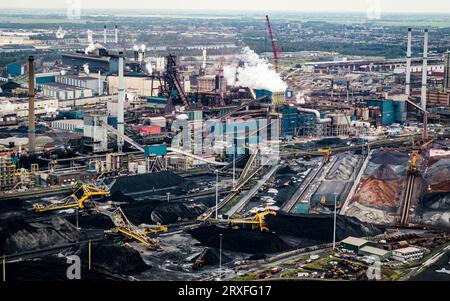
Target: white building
{"type": "Point", "coordinates": [81, 82]}
{"type": "Point", "coordinates": [68, 124]}
{"type": "Point", "coordinates": [407, 254]}
{"type": "Point", "coordinates": [42, 106]}
{"type": "Point", "coordinates": [64, 92]}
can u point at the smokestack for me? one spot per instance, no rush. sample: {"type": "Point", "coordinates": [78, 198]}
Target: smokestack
{"type": "Point", "coordinates": [408, 64]}
{"type": "Point", "coordinates": [120, 103]}
{"type": "Point", "coordinates": [424, 71]}
{"type": "Point", "coordinates": [31, 113]}
{"type": "Point", "coordinates": [100, 86]}
{"type": "Point", "coordinates": [104, 34]}
{"type": "Point", "coordinates": [116, 35]}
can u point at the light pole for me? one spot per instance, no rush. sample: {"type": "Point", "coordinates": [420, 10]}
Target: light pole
{"type": "Point", "coordinates": [76, 210]}
{"type": "Point", "coordinates": [217, 192]}
{"type": "Point", "coordinates": [334, 227]}
{"type": "Point", "coordinates": [234, 168]}
{"type": "Point", "coordinates": [220, 252]}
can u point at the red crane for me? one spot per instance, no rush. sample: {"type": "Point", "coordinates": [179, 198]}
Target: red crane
{"type": "Point", "coordinates": [272, 41]}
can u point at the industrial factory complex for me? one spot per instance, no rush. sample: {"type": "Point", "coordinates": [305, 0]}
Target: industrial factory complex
{"type": "Point", "coordinates": [218, 149]}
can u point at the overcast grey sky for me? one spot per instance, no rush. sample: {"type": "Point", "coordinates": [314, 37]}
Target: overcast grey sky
{"type": "Point", "coordinates": [419, 6]}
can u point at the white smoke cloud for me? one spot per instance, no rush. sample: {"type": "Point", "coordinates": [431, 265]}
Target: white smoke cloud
{"type": "Point", "coordinates": [143, 47]}
{"type": "Point", "coordinates": [86, 68]}
{"type": "Point", "coordinates": [255, 73]}
{"type": "Point", "coordinates": [90, 39]}
{"type": "Point", "coordinates": [135, 48]}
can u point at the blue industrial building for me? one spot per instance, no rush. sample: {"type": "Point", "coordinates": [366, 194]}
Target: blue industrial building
{"type": "Point", "coordinates": [392, 111]}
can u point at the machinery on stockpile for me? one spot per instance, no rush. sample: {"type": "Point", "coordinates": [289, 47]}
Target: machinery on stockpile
{"type": "Point", "coordinates": [257, 221]}
{"type": "Point", "coordinates": [125, 227]}
{"type": "Point", "coordinates": [75, 200]}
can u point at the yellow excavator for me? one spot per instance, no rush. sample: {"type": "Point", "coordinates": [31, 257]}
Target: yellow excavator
{"type": "Point", "coordinates": [75, 200]}
{"type": "Point", "coordinates": [257, 221]}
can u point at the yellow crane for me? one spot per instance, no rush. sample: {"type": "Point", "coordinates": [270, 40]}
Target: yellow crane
{"type": "Point", "coordinates": [414, 163]}
{"type": "Point", "coordinates": [327, 152]}
{"type": "Point", "coordinates": [126, 227]}
{"type": "Point", "coordinates": [257, 221]}
{"type": "Point", "coordinates": [75, 200]}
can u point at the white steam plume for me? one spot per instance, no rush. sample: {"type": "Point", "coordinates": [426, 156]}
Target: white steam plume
{"type": "Point", "coordinates": [135, 48]}
{"type": "Point", "coordinates": [149, 68]}
{"type": "Point", "coordinates": [86, 68]}
{"type": "Point", "coordinates": [254, 72]}
{"type": "Point", "coordinates": [91, 46]}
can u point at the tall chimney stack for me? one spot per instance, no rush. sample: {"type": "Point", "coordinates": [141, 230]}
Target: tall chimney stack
{"type": "Point", "coordinates": [104, 34]}
{"type": "Point", "coordinates": [408, 64]}
{"type": "Point", "coordinates": [424, 71]}
{"type": "Point", "coordinates": [120, 103]}
{"type": "Point", "coordinates": [31, 113]}
{"type": "Point", "coordinates": [116, 35]}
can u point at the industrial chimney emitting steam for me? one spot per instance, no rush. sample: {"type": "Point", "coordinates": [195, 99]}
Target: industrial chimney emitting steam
{"type": "Point", "coordinates": [116, 35]}
{"type": "Point", "coordinates": [31, 112]}
{"type": "Point", "coordinates": [120, 103]}
{"type": "Point", "coordinates": [424, 71]}
{"type": "Point", "coordinates": [408, 64]}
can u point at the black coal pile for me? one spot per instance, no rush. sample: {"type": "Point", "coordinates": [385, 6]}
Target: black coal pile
{"type": "Point", "coordinates": [20, 236]}
{"type": "Point", "coordinates": [170, 213]}
{"type": "Point", "coordinates": [12, 209]}
{"type": "Point", "coordinates": [319, 227]}
{"type": "Point", "coordinates": [211, 257]}
{"type": "Point", "coordinates": [390, 158]}
{"type": "Point", "coordinates": [246, 241]}
{"type": "Point", "coordinates": [438, 271]}
{"type": "Point", "coordinates": [92, 221]}
{"type": "Point", "coordinates": [50, 268]}
{"type": "Point", "coordinates": [149, 182]}
{"type": "Point", "coordinates": [141, 213]}
{"type": "Point", "coordinates": [114, 258]}
{"type": "Point", "coordinates": [437, 201]}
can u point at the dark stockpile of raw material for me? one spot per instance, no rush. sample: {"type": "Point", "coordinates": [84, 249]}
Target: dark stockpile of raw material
{"type": "Point", "coordinates": [20, 236]}
{"type": "Point", "coordinates": [436, 201]}
{"type": "Point", "coordinates": [50, 268]}
{"type": "Point", "coordinates": [170, 213]}
{"type": "Point", "coordinates": [149, 182]}
{"type": "Point", "coordinates": [113, 258]}
{"type": "Point", "coordinates": [385, 172]}
{"type": "Point", "coordinates": [319, 227]}
{"type": "Point", "coordinates": [12, 209]}
{"type": "Point", "coordinates": [141, 213]}
{"type": "Point", "coordinates": [92, 221]}
{"type": "Point", "coordinates": [390, 158]}
{"type": "Point", "coordinates": [438, 271]}
{"type": "Point", "coordinates": [212, 257]}
{"type": "Point", "coordinates": [246, 241]}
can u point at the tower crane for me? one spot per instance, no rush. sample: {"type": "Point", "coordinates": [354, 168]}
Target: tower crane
{"type": "Point", "coordinates": [272, 41]}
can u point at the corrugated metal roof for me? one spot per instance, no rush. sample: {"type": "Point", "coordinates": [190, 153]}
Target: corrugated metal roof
{"type": "Point", "coordinates": [354, 241]}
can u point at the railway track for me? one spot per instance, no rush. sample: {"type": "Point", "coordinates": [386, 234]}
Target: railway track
{"type": "Point", "coordinates": [407, 201]}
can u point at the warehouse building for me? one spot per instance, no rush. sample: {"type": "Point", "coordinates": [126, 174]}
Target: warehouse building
{"type": "Point", "coordinates": [372, 251]}
{"type": "Point", "coordinates": [65, 92]}
{"type": "Point", "coordinates": [355, 244]}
